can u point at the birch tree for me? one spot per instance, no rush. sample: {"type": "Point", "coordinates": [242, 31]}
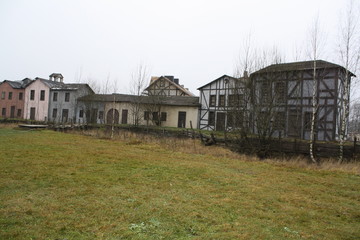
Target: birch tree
{"type": "Point", "coordinates": [349, 55]}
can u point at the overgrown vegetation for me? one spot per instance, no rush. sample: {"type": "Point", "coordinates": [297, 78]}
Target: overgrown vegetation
{"type": "Point", "coordinates": [65, 186]}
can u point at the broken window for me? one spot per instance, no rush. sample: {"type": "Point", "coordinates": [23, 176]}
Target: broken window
{"type": "Point", "coordinates": [212, 100]}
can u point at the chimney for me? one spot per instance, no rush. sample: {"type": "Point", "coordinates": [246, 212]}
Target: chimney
{"type": "Point", "coordinates": [171, 78]}
{"type": "Point", "coordinates": [176, 80]}
{"type": "Point", "coordinates": [246, 74]}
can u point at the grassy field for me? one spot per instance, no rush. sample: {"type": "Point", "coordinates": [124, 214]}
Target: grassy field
{"type": "Point", "coordinates": [65, 186]}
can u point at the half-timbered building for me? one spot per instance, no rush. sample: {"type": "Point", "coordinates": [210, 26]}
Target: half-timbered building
{"type": "Point", "coordinates": [167, 86]}
{"type": "Point", "coordinates": [278, 97]}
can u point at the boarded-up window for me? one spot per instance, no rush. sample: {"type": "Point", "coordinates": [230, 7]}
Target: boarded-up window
{"type": "Point", "coordinates": [42, 95]}
{"type": "Point", "coordinates": [163, 116]}
{"type": "Point", "coordinates": [222, 100]}
{"type": "Point", "coordinates": [211, 120]}
{"type": "Point", "coordinates": [32, 94]}
{"type": "Point", "coordinates": [212, 100]}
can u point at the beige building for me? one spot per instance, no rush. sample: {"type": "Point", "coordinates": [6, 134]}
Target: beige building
{"type": "Point", "coordinates": [167, 86]}
{"type": "Point", "coordinates": [167, 111]}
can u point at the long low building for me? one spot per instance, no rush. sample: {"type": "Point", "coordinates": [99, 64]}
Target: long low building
{"type": "Point", "coordinates": [167, 111]}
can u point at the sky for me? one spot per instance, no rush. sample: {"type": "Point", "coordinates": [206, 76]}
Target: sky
{"type": "Point", "coordinates": [196, 41]}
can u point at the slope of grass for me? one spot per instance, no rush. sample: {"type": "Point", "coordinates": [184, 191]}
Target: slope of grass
{"type": "Point", "coordinates": [64, 186]}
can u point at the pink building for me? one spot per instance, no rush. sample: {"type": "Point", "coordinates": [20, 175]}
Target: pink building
{"type": "Point", "coordinates": [12, 98]}
{"type": "Point", "coordinates": [36, 103]}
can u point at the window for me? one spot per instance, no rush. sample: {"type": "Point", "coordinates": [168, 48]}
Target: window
{"type": "Point", "coordinates": [2, 95]}
{"type": "Point", "coordinates": [81, 114]}
{"type": "Point", "coordinates": [280, 93]}
{"type": "Point", "coordinates": [20, 96]}
{"type": "Point", "coordinates": [146, 115]}
{"type": "Point", "coordinates": [19, 113]}
{"type": "Point", "coordinates": [54, 113]}
{"type": "Point", "coordinates": [3, 112]}
{"type": "Point", "coordinates": [42, 95]}
{"type": "Point", "coordinates": [32, 94]}
{"type": "Point", "coordinates": [212, 100]}
{"type": "Point", "coordinates": [163, 116]}
{"type": "Point", "coordinates": [155, 116]}
{"type": "Point", "coordinates": [10, 96]}
{"type": "Point", "coordinates": [279, 121]}
{"type": "Point", "coordinates": [265, 92]}
{"type": "Point", "coordinates": [55, 96]}
{"type": "Point", "coordinates": [222, 100]}
{"type": "Point", "coordinates": [211, 120]}
{"type": "Point", "coordinates": [101, 115]}
{"type": "Point", "coordinates": [67, 97]}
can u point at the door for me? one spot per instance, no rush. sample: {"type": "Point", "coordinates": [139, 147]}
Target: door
{"type": "Point", "coordinates": [124, 116]}
{"type": "Point", "coordinates": [220, 121]}
{"type": "Point", "coordinates": [65, 115]}
{"type": "Point", "coordinates": [32, 113]}
{"type": "Point", "coordinates": [12, 112]}
{"type": "Point", "coordinates": [182, 120]}
{"type": "Point", "coordinates": [112, 113]}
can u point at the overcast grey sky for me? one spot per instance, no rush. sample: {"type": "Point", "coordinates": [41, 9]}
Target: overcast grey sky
{"type": "Point", "coordinates": [197, 41]}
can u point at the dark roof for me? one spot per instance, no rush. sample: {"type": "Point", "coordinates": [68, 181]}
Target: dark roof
{"type": "Point", "coordinates": [62, 86]}
{"type": "Point", "coordinates": [305, 65]}
{"type": "Point", "coordinates": [18, 84]}
{"type": "Point", "coordinates": [217, 80]}
{"type": "Point", "coordinates": [166, 78]}
{"type": "Point", "coordinates": [163, 100]}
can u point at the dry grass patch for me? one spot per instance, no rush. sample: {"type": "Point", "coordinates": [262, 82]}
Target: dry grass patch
{"type": "Point", "coordinates": [66, 186]}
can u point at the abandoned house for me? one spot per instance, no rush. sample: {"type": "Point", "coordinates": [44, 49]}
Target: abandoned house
{"type": "Point", "coordinates": [12, 98]}
{"type": "Point", "coordinates": [278, 98]}
{"type": "Point", "coordinates": [167, 111]}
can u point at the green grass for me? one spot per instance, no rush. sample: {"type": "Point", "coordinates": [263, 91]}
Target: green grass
{"type": "Point", "coordinates": [64, 186]}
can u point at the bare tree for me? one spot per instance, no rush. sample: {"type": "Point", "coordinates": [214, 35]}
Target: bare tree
{"type": "Point", "coordinates": [137, 85]}
{"type": "Point", "coordinates": [349, 55]}
{"type": "Point", "coordinates": [315, 41]}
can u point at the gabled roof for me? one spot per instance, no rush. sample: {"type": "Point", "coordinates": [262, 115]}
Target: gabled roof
{"type": "Point", "coordinates": [162, 100]}
{"type": "Point", "coordinates": [53, 85]}
{"type": "Point", "coordinates": [223, 76]}
{"type": "Point", "coordinates": [18, 84]}
{"type": "Point", "coordinates": [156, 79]}
{"type": "Point", "coordinates": [304, 65]}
